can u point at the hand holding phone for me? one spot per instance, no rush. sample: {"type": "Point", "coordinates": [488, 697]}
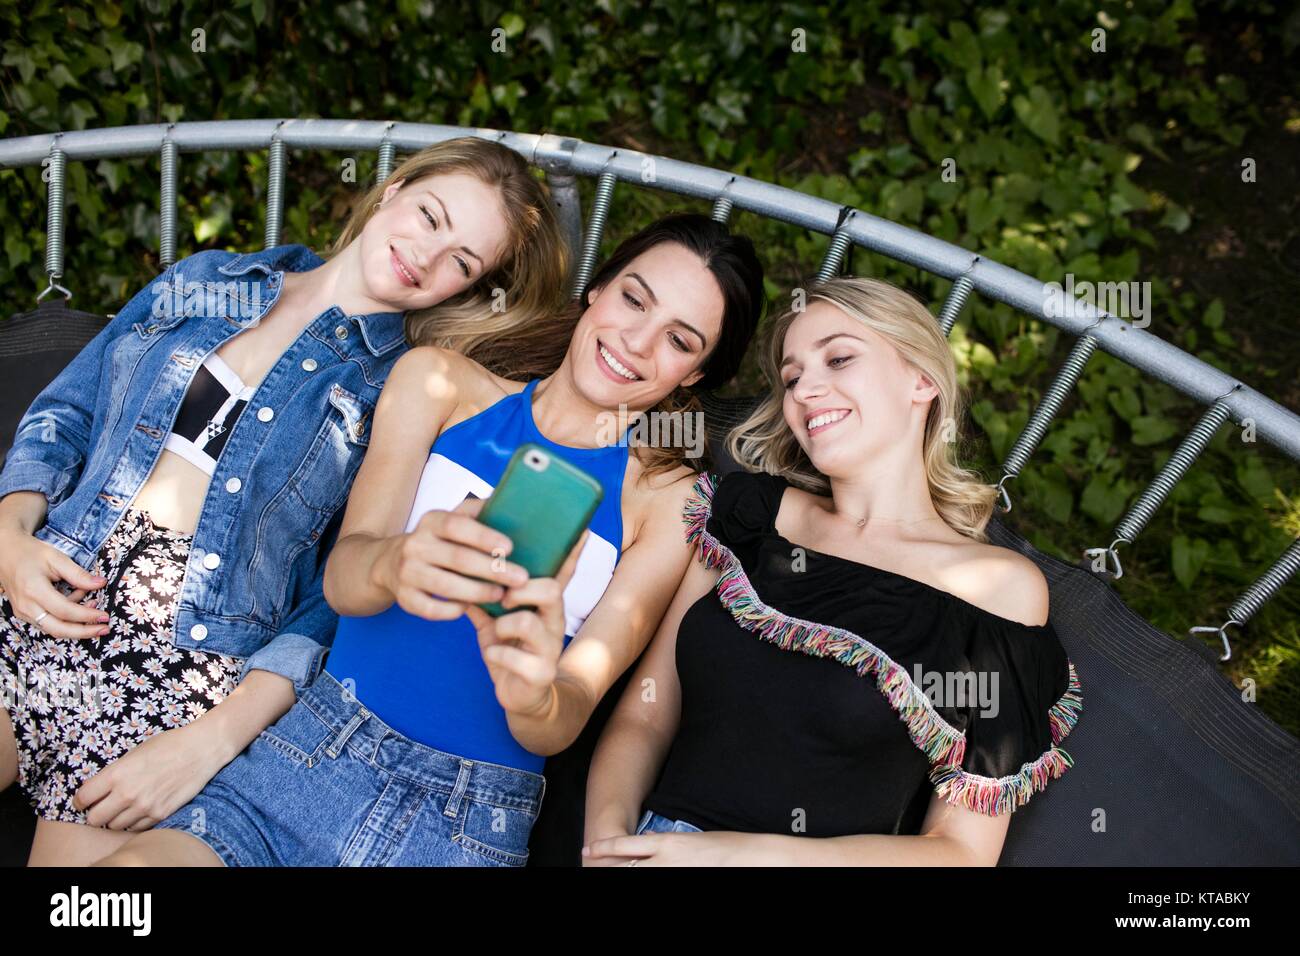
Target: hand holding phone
{"type": "Point", "coordinates": [448, 562]}
{"type": "Point", "coordinates": [522, 648]}
{"type": "Point", "coordinates": [543, 505]}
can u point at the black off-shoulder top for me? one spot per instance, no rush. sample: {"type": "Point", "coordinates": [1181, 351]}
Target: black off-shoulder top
{"type": "Point", "coordinates": [825, 697]}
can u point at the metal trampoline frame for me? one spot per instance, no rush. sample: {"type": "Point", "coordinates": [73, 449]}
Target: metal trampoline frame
{"type": "Point", "coordinates": [565, 158]}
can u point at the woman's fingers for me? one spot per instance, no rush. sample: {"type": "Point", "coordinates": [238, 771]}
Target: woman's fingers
{"type": "Point", "coordinates": [525, 629]}
{"type": "Point", "coordinates": [56, 627]}
{"type": "Point", "coordinates": [65, 569]}
{"type": "Point", "coordinates": [63, 607]}
{"type": "Point", "coordinates": [53, 614]}
{"type": "Point", "coordinates": [451, 586]}
{"type": "Point", "coordinates": [529, 667]}
{"type": "Point", "coordinates": [460, 526]}
{"type": "Point", "coordinates": [462, 547]}
{"type": "Point", "coordinates": [547, 597]}
{"type": "Point", "coordinates": [422, 604]}
{"type": "Point", "coordinates": [472, 563]}
{"type": "Point", "coordinates": [634, 845]}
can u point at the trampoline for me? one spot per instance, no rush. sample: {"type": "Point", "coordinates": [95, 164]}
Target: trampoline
{"type": "Point", "coordinates": [1171, 765]}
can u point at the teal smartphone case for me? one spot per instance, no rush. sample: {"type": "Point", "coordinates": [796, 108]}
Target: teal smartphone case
{"type": "Point", "coordinates": [542, 504]}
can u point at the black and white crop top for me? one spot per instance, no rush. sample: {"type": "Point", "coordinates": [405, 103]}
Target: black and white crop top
{"type": "Point", "coordinates": [211, 407]}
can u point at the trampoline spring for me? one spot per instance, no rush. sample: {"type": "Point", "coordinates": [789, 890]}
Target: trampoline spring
{"type": "Point", "coordinates": [274, 191]}
{"type": "Point", "coordinates": [167, 161]}
{"type": "Point", "coordinates": [834, 256]}
{"type": "Point", "coordinates": [54, 214]}
{"type": "Point", "coordinates": [956, 301]}
{"type": "Point", "coordinates": [384, 166]}
{"type": "Point", "coordinates": [1131, 525]}
{"type": "Point", "coordinates": [721, 209]}
{"type": "Point", "coordinates": [1046, 411]}
{"type": "Point", "coordinates": [1244, 608]}
{"type": "Point", "coordinates": [595, 229]}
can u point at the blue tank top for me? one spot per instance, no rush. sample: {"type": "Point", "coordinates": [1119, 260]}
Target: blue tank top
{"type": "Point", "coordinates": [426, 679]}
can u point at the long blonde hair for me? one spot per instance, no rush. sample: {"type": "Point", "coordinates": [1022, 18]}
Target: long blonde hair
{"type": "Point", "coordinates": [764, 442]}
{"type": "Point", "coordinates": [528, 337]}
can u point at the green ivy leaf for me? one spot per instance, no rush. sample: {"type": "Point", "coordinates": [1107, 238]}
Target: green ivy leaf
{"type": "Point", "coordinates": [1217, 514]}
{"type": "Point", "coordinates": [964, 47]}
{"type": "Point", "coordinates": [1152, 429]}
{"type": "Point", "coordinates": [1104, 498]}
{"type": "Point", "coordinates": [1213, 317]}
{"type": "Point", "coordinates": [986, 87]}
{"type": "Point", "coordinates": [1188, 556]}
{"type": "Point", "coordinates": [982, 211]}
{"type": "Point", "coordinates": [1176, 218]}
{"type": "Point", "coordinates": [1038, 112]}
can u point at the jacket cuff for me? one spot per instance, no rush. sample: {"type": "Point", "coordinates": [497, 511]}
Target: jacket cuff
{"type": "Point", "coordinates": [33, 475]}
{"type": "Point", "coordinates": [293, 656]}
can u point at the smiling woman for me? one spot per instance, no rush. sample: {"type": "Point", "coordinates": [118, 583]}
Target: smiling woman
{"type": "Point", "coordinates": [786, 726]}
{"type": "Point", "coordinates": [170, 497]}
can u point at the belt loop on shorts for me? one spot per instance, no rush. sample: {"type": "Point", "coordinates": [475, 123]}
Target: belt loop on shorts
{"type": "Point", "coordinates": [458, 791]}
{"type": "Point", "coordinates": [337, 743]}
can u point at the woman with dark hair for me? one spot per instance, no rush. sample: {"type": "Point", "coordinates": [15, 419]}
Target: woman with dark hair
{"type": "Point", "coordinates": [423, 739]}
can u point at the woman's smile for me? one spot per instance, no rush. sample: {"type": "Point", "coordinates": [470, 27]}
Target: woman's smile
{"type": "Point", "coordinates": [823, 419]}
{"type": "Point", "coordinates": [405, 274]}
{"type": "Point", "coordinates": [612, 366]}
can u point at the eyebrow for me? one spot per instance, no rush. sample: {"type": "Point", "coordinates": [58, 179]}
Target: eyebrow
{"type": "Point", "coordinates": [446, 215]}
{"type": "Point", "coordinates": [820, 342]}
{"type": "Point", "coordinates": [704, 342]}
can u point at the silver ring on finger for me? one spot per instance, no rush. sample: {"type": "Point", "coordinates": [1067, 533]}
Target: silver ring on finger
{"type": "Point", "coordinates": [37, 623]}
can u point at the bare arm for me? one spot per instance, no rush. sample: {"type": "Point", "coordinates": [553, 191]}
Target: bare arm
{"type": "Point", "coordinates": [376, 562]}
{"type": "Point", "coordinates": [950, 836]}
{"type": "Point", "coordinates": [640, 731]}
{"type": "Point", "coordinates": [417, 398]}
{"type": "Point", "coordinates": [258, 701]}
{"type": "Point", "coordinates": [617, 629]}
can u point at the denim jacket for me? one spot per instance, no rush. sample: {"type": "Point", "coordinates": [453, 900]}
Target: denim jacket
{"type": "Point", "coordinates": [252, 588]}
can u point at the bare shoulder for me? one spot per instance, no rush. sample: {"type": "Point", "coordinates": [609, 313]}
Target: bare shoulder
{"type": "Point", "coordinates": [432, 382]}
{"type": "Point", "coordinates": [1004, 582]}
{"type": "Point", "coordinates": [432, 370]}
{"type": "Point", "coordinates": [657, 498]}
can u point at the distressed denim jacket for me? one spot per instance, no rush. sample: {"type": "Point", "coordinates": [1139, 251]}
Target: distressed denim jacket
{"type": "Point", "coordinates": [252, 588]}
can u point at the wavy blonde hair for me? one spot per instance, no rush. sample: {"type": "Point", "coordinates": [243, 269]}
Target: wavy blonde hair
{"type": "Point", "coordinates": [764, 442]}
{"type": "Point", "coordinates": [529, 336]}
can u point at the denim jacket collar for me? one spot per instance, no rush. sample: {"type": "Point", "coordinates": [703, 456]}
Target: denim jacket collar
{"type": "Point", "coordinates": [381, 331]}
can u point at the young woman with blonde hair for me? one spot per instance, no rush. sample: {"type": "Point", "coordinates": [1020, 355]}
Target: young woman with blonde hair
{"type": "Point", "coordinates": [888, 696]}
{"type": "Point", "coordinates": [170, 497]}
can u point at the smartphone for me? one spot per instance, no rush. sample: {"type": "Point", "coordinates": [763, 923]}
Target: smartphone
{"type": "Point", "coordinates": [542, 504]}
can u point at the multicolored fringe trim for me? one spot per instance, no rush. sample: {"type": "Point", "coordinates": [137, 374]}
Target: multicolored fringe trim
{"type": "Point", "coordinates": [943, 744]}
{"type": "Point", "coordinates": [996, 795]}
{"type": "Point", "coordinates": [938, 739]}
{"type": "Point", "coordinates": [1066, 711]}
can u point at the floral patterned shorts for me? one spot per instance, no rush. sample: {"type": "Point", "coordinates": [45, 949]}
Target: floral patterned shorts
{"type": "Point", "coordinates": [79, 704]}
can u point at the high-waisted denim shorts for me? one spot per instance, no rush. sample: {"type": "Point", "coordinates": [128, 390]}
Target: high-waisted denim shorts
{"type": "Point", "coordinates": [330, 784]}
{"type": "Point", "coordinates": [652, 822]}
